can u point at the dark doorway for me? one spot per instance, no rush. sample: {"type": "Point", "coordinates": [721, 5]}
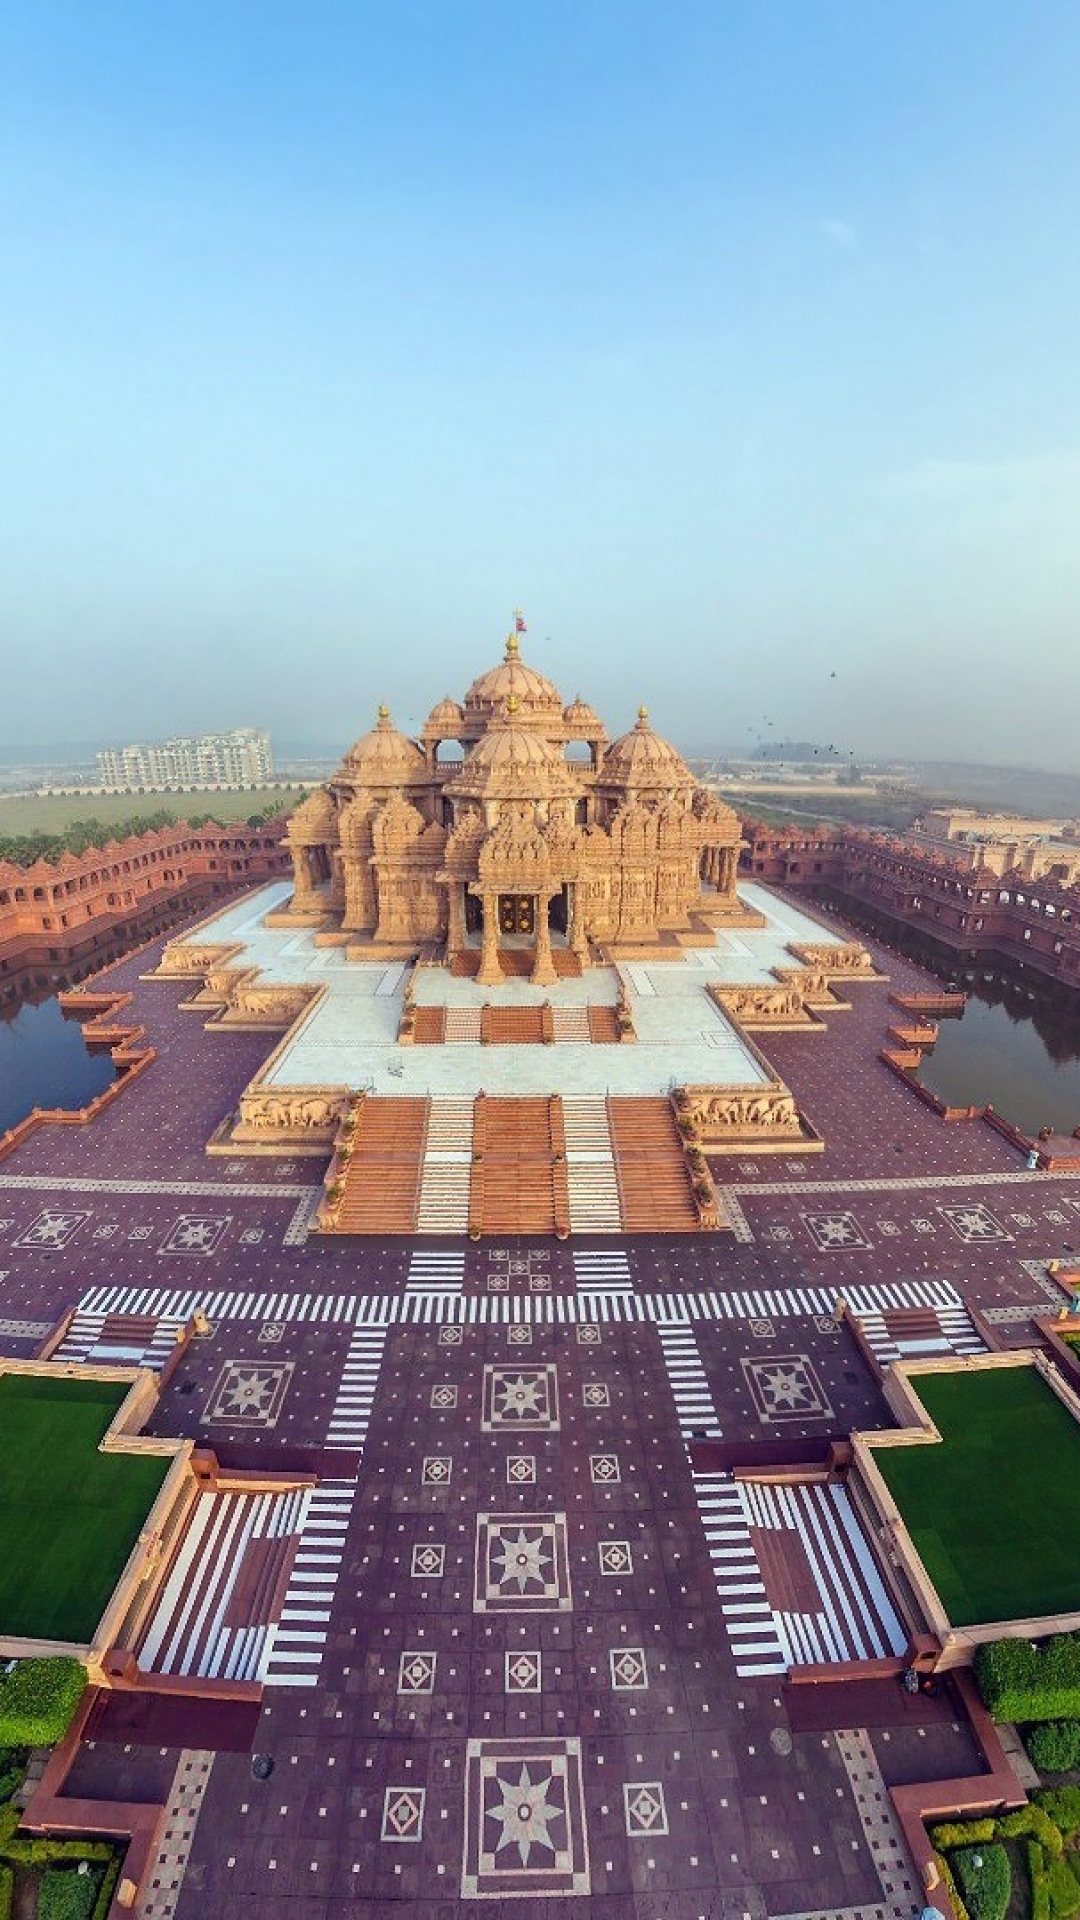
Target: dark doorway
{"type": "Point", "coordinates": [559, 912]}
{"type": "Point", "coordinates": [517, 913]}
{"type": "Point", "coordinates": [474, 913]}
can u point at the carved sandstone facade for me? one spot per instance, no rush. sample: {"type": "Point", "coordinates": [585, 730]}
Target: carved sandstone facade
{"type": "Point", "coordinates": [541, 834]}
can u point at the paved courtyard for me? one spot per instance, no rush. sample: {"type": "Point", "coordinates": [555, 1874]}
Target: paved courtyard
{"type": "Point", "coordinates": [538, 1650]}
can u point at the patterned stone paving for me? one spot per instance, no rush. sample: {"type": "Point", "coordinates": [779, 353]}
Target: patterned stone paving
{"type": "Point", "coordinates": [503, 1673]}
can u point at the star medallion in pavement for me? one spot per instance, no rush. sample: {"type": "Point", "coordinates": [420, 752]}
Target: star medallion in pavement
{"type": "Point", "coordinates": [249, 1393]}
{"type": "Point", "coordinates": [51, 1230]}
{"type": "Point", "coordinates": [786, 1389]}
{"type": "Point", "coordinates": [195, 1233]}
{"type": "Point", "coordinates": [522, 1397]}
{"type": "Point", "coordinates": [522, 1564]}
{"type": "Point", "coordinates": [835, 1231]}
{"type": "Point", "coordinates": [525, 1829]}
{"type": "Point", "coordinates": [437, 1470]}
{"type": "Point", "coordinates": [974, 1223]}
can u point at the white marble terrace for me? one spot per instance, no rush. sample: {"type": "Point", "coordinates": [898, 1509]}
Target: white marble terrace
{"type": "Point", "coordinates": [350, 1037]}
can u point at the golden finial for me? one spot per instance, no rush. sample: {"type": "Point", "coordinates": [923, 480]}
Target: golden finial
{"type": "Point", "coordinates": [512, 705]}
{"type": "Point", "coordinates": [513, 646]}
{"type": "Point", "coordinates": [384, 713]}
{"type": "Point", "coordinates": [643, 715]}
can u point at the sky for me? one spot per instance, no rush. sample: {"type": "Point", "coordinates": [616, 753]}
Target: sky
{"type": "Point", "coordinates": [735, 342]}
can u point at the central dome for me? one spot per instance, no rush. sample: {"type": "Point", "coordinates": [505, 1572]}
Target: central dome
{"type": "Point", "coordinates": [513, 680]}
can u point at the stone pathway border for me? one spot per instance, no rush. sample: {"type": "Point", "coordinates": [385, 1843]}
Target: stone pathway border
{"type": "Point", "coordinates": [900, 1887]}
{"type": "Point", "coordinates": [161, 1888]}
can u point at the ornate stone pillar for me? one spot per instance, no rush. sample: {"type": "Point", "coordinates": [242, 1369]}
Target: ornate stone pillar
{"type": "Point", "coordinates": [302, 889]}
{"type": "Point", "coordinates": [579, 939]}
{"type": "Point", "coordinates": [543, 973]}
{"type": "Point", "coordinates": [490, 972]}
{"type": "Point", "coordinates": [455, 926]}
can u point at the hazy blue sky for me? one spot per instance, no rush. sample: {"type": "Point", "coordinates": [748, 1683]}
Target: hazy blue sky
{"type": "Point", "coordinates": [737, 342]}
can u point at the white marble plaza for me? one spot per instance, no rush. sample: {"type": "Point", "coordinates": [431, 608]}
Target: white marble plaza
{"type": "Point", "coordinates": [349, 1038]}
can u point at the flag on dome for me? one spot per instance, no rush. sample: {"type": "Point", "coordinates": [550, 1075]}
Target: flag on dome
{"type": "Point", "coordinates": [519, 623]}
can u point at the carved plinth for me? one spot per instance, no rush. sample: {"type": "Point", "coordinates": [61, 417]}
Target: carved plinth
{"type": "Point", "coordinates": [726, 1119]}
{"type": "Point", "coordinates": [842, 961]}
{"type": "Point", "coordinates": [271, 1116]}
{"type": "Point", "coordinates": [753, 1006]}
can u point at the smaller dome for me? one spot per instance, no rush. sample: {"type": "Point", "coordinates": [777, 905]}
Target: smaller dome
{"type": "Point", "coordinates": [580, 714]}
{"type": "Point", "coordinates": [641, 758]}
{"type": "Point", "coordinates": [446, 717]}
{"type": "Point", "coordinates": [384, 754]}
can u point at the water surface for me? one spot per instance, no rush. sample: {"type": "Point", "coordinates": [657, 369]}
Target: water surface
{"type": "Point", "coordinates": [1010, 1050]}
{"type": "Point", "coordinates": [45, 1062]}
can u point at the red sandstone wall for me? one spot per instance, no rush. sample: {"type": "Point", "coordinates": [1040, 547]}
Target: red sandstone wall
{"type": "Point", "coordinates": [1035, 923]}
{"type": "Point", "coordinates": [63, 913]}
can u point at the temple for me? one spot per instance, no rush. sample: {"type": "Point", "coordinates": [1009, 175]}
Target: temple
{"type": "Point", "coordinates": [513, 826]}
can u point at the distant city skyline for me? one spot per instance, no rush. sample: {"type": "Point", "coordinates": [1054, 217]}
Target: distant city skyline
{"type": "Point", "coordinates": [736, 345]}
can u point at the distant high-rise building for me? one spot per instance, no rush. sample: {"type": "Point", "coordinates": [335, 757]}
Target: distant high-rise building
{"type": "Point", "coordinates": [242, 758]}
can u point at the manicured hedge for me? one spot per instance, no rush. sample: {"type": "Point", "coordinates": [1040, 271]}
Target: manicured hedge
{"type": "Point", "coordinates": [1055, 1893]}
{"type": "Point", "coordinates": [38, 1699]}
{"type": "Point", "coordinates": [962, 1833]}
{"type": "Point", "coordinates": [40, 1850]}
{"type": "Point", "coordinates": [985, 1879]}
{"type": "Point", "coordinates": [1030, 1821]}
{"type": "Point", "coordinates": [66, 1894]}
{"type": "Point", "coordinates": [1021, 1680]}
{"type": "Point", "coordinates": [950, 1886]}
{"type": "Point", "coordinates": [108, 1887]}
{"type": "Point", "coordinates": [1054, 1745]}
{"type": "Point", "coordinates": [7, 1891]}
{"type": "Point", "coordinates": [1063, 1806]}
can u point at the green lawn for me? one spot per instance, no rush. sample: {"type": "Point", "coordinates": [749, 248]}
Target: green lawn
{"type": "Point", "coordinates": [69, 1515]}
{"type": "Point", "coordinates": [52, 812]}
{"type": "Point", "coordinates": [994, 1510]}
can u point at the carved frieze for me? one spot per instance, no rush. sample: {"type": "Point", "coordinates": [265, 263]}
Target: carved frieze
{"type": "Point", "coordinates": [739, 1114]}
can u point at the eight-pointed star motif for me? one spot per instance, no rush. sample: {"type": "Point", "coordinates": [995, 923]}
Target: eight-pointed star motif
{"type": "Point", "coordinates": [783, 1387]}
{"type": "Point", "coordinates": [248, 1392]}
{"type": "Point", "coordinates": [521, 1395]}
{"type": "Point", "coordinates": [522, 1559]}
{"type": "Point", "coordinates": [835, 1231]}
{"type": "Point", "coordinates": [525, 1813]}
{"type": "Point", "coordinates": [195, 1233]}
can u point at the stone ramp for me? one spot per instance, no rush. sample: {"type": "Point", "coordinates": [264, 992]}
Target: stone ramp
{"type": "Point", "coordinates": [536, 1164]}
{"type": "Point", "coordinates": [382, 1180]}
{"type": "Point", "coordinates": [519, 1183]}
{"type": "Point", "coordinates": [654, 1180]}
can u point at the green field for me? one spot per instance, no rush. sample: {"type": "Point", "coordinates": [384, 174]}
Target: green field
{"type": "Point", "coordinates": [994, 1511]}
{"type": "Point", "coordinates": [51, 813]}
{"type": "Point", "coordinates": [69, 1515]}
